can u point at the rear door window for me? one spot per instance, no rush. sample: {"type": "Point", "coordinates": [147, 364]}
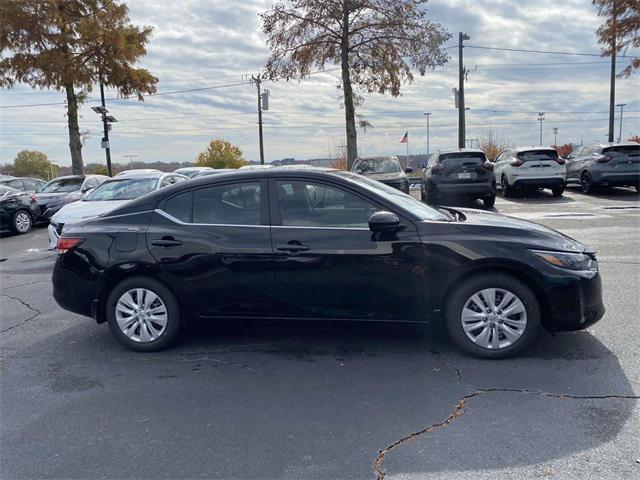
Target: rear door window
{"type": "Point", "coordinates": [234, 204]}
{"type": "Point", "coordinates": [180, 206]}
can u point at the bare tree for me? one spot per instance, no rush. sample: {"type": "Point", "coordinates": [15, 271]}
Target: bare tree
{"type": "Point", "coordinates": [493, 143]}
{"type": "Point", "coordinates": [376, 43]}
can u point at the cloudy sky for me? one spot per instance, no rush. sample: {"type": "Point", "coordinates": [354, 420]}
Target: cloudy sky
{"type": "Point", "coordinates": [210, 44]}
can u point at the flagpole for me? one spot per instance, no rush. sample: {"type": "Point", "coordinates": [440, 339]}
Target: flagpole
{"type": "Point", "coordinates": [407, 162]}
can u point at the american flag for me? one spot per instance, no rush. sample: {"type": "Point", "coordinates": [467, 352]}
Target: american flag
{"type": "Point", "coordinates": [405, 139]}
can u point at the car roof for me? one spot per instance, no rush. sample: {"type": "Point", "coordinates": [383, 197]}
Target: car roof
{"type": "Point", "coordinates": [142, 175]}
{"type": "Point", "coordinates": [138, 171]}
{"type": "Point", "coordinates": [612, 144]}
{"type": "Point", "coordinates": [460, 150]}
{"type": "Point", "coordinates": [531, 147]}
{"type": "Point", "coordinates": [192, 168]}
{"type": "Point", "coordinates": [378, 157]}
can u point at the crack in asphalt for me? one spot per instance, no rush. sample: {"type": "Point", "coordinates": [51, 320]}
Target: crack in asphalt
{"type": "Point", "coordinates": [25, 284]}
{"type": "Point", "coordinates": [459, 409]}
{"type": "Point", "coordinates": [37, 312]}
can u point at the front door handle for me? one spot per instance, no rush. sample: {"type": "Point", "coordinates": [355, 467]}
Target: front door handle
{"type": "Point", "coordinates": [166, 242]}
{"type": "Point", "coordinates": [292, 247]}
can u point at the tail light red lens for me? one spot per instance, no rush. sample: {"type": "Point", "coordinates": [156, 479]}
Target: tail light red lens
{"type": "Point", "coordinates": [437, 168]}
{"type": "Point", "coordinates": [517, 163]}
{"type": "Point", "coordinates": [67, 243]}
{"type": "Point", "coordinates": [488, 166]}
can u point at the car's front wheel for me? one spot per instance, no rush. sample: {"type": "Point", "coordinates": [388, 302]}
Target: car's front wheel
{"type": "Point", "coordinates": [507, 190]}
{"type": "Point", "coordinates": [143, 314]}
{"type": "Point", "coordinates": [558, 191]}
{"type": "Point", "coordinates": [587, 183]}
{"type": "Point", "coordinates": [22, 222]}
{"type": "Point", "coordinates": [492, 316]}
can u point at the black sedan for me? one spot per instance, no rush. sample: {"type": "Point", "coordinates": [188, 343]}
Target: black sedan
{"type": "Point", "coordinates": [315, 244]}
{"type": "Point", "coordinates": [17, 210]}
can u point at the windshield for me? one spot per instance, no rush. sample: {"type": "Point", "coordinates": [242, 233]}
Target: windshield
{"type": "Point", "coordinates": [459, 159]}
{"type": "Point", "coordinates": [125, 189]}
{"type": "Point", "coordinates": [538, 155]}
{"type": "Point", "coordinates": [62, 185]}
{"type": "Point", "coordinates": [377, 165]}
{"type": "Point", "coordinates": [395, 196]}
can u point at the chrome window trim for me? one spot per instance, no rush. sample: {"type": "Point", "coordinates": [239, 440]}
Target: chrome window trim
{"type": "Point", "coordinates": [321, 228]}
{"type": "Point", "coordinates": [180, 222]}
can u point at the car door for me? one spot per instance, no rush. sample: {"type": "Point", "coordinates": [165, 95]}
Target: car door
{"type": "Point", "coordinates": [328, 264]}
{"type": "Point", "coordinates": [213, 244]}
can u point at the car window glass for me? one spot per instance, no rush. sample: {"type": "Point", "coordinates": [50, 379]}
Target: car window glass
{"type": "Point", "coordinates": [307, 204]}
{"type": "Point", "coordinates": [32, 185]}
{"type": "Point", "coordinates": [17, 184]}
{"type": "Point", "coordinates": [177, 179]}
{"type": "Point", "coordinates": [537, 155]}
{"type": "Point", "coordinates": [166, 182]}
{"type": "Point", "coordinates": [235, 204]}
{"type": "Point", "coordinates": [179, 206]}
{"type": "Point", "coordinates": [377, 165]}
{"type": "Point", "coordinates": [63, 185]}
{"type": "Point", "coordinates": [457, 159]}
{"type": "Point", "coordinates": [623, 151]}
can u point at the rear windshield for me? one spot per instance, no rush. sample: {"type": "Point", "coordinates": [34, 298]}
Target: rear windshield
{"type": "Point", "coordinates": [62, 185]}
{"type": "Point", "coordinates": [622, 151]}
{"type": "Point", "coordinates": [457, 159]}
{"type": "Point", "coordinates": [377, 165]}
{"type": "Point", "coordinates": [538, 155]}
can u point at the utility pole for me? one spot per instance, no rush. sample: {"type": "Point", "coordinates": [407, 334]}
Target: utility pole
{"type": "Point", "coordinates": [130, 157]}
{"type": "Point", "coordinates": [106, 121]}
{"type": "Point", "coordinates": [612, 88]}
{"type": "Point", "coordinates": [461, 74]}
{"type": "Point", "coordinates": [621, 105]}
{"type": "Point", "coordinates": [263, 100]}
{"type": "Point", "coordinates": [555, 137]}
{"type": "Point", "coordinates": [541, 120]}
{"type": "Point", "coordinates": [428, 114]}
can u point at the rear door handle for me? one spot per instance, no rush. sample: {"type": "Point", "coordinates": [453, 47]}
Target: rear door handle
{"type": "Point", "coordinates": [166, 242]}
{"type": "Point", "coordinates": [292, 248]}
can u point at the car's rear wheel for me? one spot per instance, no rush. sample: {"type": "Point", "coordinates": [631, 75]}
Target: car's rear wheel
{"type": "Point", "coordinates": [587, 183]}
{"type": "Point", "coordinates": [492, 316]}
{"type": "Point", "coordinates": [423, 195]}
{"type": "Point", "coordinates": [557, 192]}
{"type": "Point", "coordinates": [21, 222]}
{"type": "Point", "coordinates": [507, 190]}
{"type": "Point", "coordinates": [143, 314]}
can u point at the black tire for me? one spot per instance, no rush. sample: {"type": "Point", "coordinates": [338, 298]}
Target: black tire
{"type": "Point", "coordinates": [423, 196]}
{"type": "Point", "coordinates": [21, 222]}
{"type": "Point", "coordinates": [507, 190]}
{"type": "Point", "coordinates": [587, 184]}
{"type": "Point", "coordinates": [489, 202]}
{"type": "Point", "coordinates": [557, 192]}
{"type": "Point", "coordinates": [637, 188]}
{"type": "Point", "coordinates": [457, 300]}
{"type": "Point", "coordinates": [431, 199]}
{"type": "Point", "coordinates": [172, 307]}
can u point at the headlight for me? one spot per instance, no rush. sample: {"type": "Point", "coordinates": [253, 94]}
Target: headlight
{"type": "Point", "coordinates": [572, 261]}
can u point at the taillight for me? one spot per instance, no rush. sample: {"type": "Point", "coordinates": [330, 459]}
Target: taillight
{"type": "Point", "coordinates": [488, 166]}
{"type": "Point", "coordinates": [67, 243]}
{"type": "Point", "coordinates": [33, 198]}
{"type": "Point", "coordinates": [517, 163]}
{"type": "Point", "coordinates": [603, 159]}
{"type": "Point", "coordinates": [437, 168]}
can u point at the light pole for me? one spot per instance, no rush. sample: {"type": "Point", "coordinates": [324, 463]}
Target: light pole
{"type": "Point", "coordinates": [555, 137]}
{"type": "Point", "coordinates": [541, 119]}
{"type": "Point", "coordinates": [621, 105]}
{"type": "Point", "coordinates": [130, 157]}
{"type": "Point", "coordinates": [461, 74]}
{"type": "Point", "coordinates": [427, 114]}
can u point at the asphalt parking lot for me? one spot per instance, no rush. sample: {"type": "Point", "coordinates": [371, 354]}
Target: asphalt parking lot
{"type": "Point", "coordinates": [263, 400]}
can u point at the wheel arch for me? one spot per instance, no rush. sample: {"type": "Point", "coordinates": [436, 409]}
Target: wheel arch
{"type": "Point", "coordinates": [520, 271]}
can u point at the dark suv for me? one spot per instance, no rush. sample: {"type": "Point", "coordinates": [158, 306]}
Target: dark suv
{"type": "Point", "coordinates": [384, 169]}
{"type": "Point", "coordinates": [461, 172]}
{"type": "Point", "coordinates": [606, 165]}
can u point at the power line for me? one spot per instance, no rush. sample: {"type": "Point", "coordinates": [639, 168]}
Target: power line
{"type": "Point", "coordinates": [552, 52]}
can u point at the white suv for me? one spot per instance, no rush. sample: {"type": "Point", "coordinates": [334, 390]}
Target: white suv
{"type": "Point", "coordinates": [530, 167]}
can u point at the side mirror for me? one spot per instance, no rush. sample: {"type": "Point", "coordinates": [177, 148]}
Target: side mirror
{"type": "Point", "coordinates": [384, 222]}
{"type": "Point", "coordinates": [86, 189]}
{"type": "Point", "coordinates": [408, 170]}
{"type": "Point", "coordinates": [359, 171]}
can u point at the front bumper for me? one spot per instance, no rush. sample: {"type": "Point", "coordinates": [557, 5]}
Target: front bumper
{"type": "Point", "coordinates": [575, 303]}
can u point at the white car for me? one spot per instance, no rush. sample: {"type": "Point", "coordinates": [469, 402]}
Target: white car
{"type": "Point", "coordinates": [192, 171]}
{"type": "Point", "coordinates": [530, 167]}
{"type": "Point", "coordinates": [111, 194]}
{"type": "Point", "coordinates": [137, 171]}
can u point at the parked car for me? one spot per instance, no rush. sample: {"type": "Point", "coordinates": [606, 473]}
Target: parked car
{"type": "Point", "coordinates": [192, 171]}
{"type": "Point", "coordinates": [321, 244]}
{"type": "Point", "coordinates": [64, 190]}
{"type": "Point", "coordinates": [214, 171]}
{"type": "Point", "coordinates": [605, 165]}
{"type": "Point", "coordinates": [530, 167]}
{"type": "Point", "coordinates": [256, 167]}
{"type": "Point", "coordinates": [18, 210]}
{"type": "Point", "coordinates": [384, 169]}
{"type": "Point", "coordinates": [137, 171]}
{"type": "Point", "coordinates": [458, 173]}
{"type": "Point", "coordinates": [22, 184]}
{"type": "Point", "coordinates": [111, 194]}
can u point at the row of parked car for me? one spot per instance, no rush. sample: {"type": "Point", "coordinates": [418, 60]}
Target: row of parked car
{"type": "Point", "coordinates": [25, 201]}
{"type": "Point", "coordinates": [468, 173]}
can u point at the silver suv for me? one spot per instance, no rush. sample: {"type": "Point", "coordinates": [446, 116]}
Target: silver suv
{"type": "Point", "coordinates": [605, 165]}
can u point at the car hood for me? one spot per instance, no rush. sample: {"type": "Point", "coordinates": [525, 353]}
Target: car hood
{"type": "Point", "coordinates": [78, 211]}
{"type": "Point", "coordinates": [539, 236]}
{"type": "Point", "coordinates": [381, 177]}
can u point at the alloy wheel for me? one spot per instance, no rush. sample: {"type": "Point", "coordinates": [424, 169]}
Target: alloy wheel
{"type": "Point", "coordinates": [141, 315]}
{"type": "Point", "coordinates": [23, 222]}
{"type": "Point", "coordinates": [587, 183]}
{"type": "Point", "coordinates": [494, 318]}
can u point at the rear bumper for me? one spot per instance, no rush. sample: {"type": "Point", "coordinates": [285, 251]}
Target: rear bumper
{"type": "Point", "coordinates": [574, 303]}
{"type": "Point", "coordinates": [613, 179]}
{"type": "Point", "coordinates": [75, 288]}
{"type": "Point", "coordinates": [479, 190]}
{"type": "Point", "coordinates": [398, 184]}
{"type": "Point", "coordinates": [557, 182]}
